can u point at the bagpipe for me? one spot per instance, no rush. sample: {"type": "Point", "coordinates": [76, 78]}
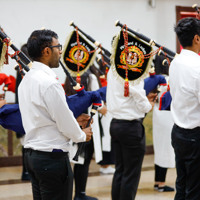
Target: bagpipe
{"type": "Point", "coordinates": [23, 61]}
{"type": "Point", "coordinates": [19, 56]}
{"type": "Point", "coordinates": [165, 99]}
{"type": "Point", "coordinates": [132, 54]}
{"type": "Point", "coordinates": [78, 56]}
{"type": "Point", "coordinates": [10, 117]}
{"type": "Point", "coordinates": [80, 51]}
{"type": "Point", "coordinates": [167, 52]}
{"type": "Point", "coordinates": [9, 83]}
{"type": "Point", "coordinates": [195, 6]}
{"type": "Point", "coordinates": [105, 52]}
{"type": "Point", "coordinates": [26, 63]}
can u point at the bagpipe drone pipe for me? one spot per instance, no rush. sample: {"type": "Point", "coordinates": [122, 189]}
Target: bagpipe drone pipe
{"type": "Point", "coordinates": [106, 53]}
{"type": "Point", "coordinates": [19, 56]}
{"type": "Point", "coordinates": [163, 50]}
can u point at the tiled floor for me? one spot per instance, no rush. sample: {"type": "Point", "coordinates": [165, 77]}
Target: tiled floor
{"type": "Point", "coordinates": [12, 188]}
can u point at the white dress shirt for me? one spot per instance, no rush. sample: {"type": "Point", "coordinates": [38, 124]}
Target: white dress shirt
{"type": "Point", "coordinates": [184, 80]}
{"type": "Point", "coordinates": [46, 118]}
{"type": "Point", "coordinates": [129, 108]}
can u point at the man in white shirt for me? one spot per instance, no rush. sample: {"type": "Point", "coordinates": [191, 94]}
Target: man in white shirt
{"type": "Point", "coordinates": [127, 134]}
{"type": "Point", "coordinates": [184, 79]}
{"type": "Point", "coordinates": [47, 120]}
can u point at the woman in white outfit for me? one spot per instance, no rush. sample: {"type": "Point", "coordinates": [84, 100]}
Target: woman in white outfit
{"type": "Point", "coordinates": [164, 157]}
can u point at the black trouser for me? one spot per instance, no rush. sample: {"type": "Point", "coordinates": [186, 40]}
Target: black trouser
{"type": "Point", "coordinates": [50, 173]}
{"type": "Point", "coordinates": [81, 171]}
{"type": "Point", "coordinates": [160, 173]}
{"type": "Point", "coordinates": [24, 170]}
{"type": "Point", "coordinates": [128, 138]}
{"type": "Point", "coordinates": [186, 143]}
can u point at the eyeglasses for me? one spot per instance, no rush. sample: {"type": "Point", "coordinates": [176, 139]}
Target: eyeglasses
{"type": "Point", "coordinates": [59, 46]}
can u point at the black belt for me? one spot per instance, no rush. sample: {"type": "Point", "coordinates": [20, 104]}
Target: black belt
{"type": "Point", "coordinates": [45, 153]}
{"type": "Point", "coordinates": [188, 130]}
{"type": "Point", "coordinates": [124, 120]}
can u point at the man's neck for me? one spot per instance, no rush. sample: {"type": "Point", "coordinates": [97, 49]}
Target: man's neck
{"type": "Point", "coordinates": [193, 48]}
{"type": "Point", "coordinates": [43, 61]}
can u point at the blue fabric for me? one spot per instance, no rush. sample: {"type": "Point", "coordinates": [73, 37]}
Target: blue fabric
{"type": "Point", "coordinates": [102, 92]}
{"type": "Point", "coordinates": [80, 102]}
{"type": "Point", "coordinates": [10, 116]}
{"type": "Point", "coordinates": [152, 82]}
{"type": "Point", "coordinates": [165, 101]}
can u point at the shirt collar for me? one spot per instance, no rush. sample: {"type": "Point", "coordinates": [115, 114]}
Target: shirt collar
{"type": "Point", "coordinates": [43, 67]}
{"type": "Point", "coordinates": [188, 52]}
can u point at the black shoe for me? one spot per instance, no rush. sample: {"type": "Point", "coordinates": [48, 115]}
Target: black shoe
{"type": "Point", "coordinates": [155, 187]}
{"type": "Point", "coordinates": [25, 176]}
{"type": "Point", "coordinates": [165, 189]}
{"type": "Point", "coordinates": [84, 197]}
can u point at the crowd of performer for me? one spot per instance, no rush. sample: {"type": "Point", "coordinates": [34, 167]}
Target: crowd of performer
{"type": "Point", "coordinates": [115, 134]}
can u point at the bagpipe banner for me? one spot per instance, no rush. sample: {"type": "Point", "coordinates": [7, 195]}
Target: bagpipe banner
{"type": "Point", "coordinates": [78, 54]}
{"type": "Point", "coordinates": [130, 62]}
{"type": "Point", "coordinates": [3, 50]}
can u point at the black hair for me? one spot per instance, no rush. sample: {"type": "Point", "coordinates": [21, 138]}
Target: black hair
{"type": "Point", "coordinates": [38, 40]}
{"type": "Point", "coordinates": [24, 49]}
{"type": "Point", "coordinates": [159, 67]}
{"type": "Point", "coordinates": [186, 29]}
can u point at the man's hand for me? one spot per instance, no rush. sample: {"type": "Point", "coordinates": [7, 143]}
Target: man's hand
{"type": "Point", "coordinates": [88, 132]}
{"type": "Point", "coordinates": [83, 120]}
{"type": "Point", "coordinates": [103, 110]}
{"type": "Point", "coordinates": [2, 96]}
{"type": "Point", "coordinates": [2, 102]}
{"type": "Point", "coordinates": [152, 97]}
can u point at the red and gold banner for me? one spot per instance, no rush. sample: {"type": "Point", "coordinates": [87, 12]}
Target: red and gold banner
{"type": "Point", "coordinates": [78, 54]}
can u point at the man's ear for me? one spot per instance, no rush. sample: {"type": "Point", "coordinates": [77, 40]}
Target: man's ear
{"type": "Point", "coordinates": [197, 39]}
{"type": "Point", "coordinates": [46, 51]}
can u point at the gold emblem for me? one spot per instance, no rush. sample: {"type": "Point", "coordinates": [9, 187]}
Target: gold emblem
{"type": "Point", "coordinates": [135, 59]}
{"type": "Point", "coordinates": [78, 54]}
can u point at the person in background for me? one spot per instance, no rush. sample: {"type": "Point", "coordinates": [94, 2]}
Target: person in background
{"type": "Point", "coordinates": [48, 122]}
{"type": "Point", "coordinates": [127, 134]}
{"type": "Point", "coordinates": [81, 170]}
{"type": "Point", "coordinates": [164, 157]}
{"type": "Point", "coordinates": [184, 80]}
{"type": "Point", "coordinates": [25, 175]}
